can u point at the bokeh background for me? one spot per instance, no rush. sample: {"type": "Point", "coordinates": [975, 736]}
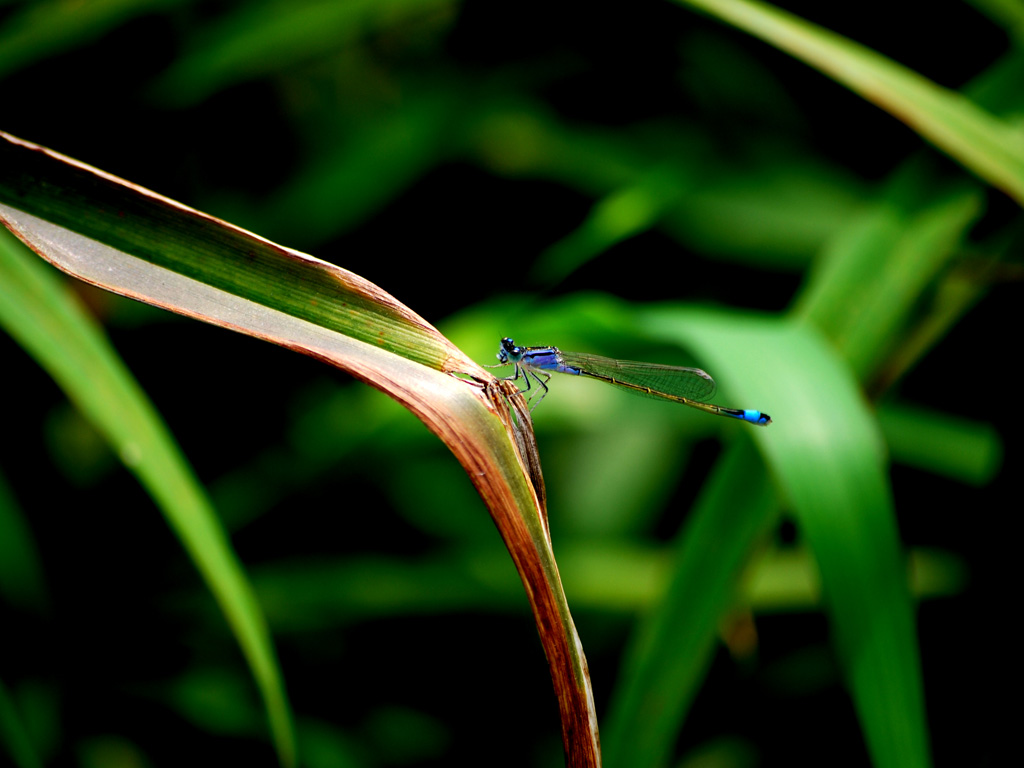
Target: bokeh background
{"type": "Point", "coordinates": [522, 169]}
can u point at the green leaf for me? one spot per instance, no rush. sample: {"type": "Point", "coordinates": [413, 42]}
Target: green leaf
{"type": "Point", "coordinates": [21, 572]}
{"type": "Point", "coordinates": [1008, 13]}
{"type": "Point", "coordinates": [981, 142]}
{"type": "Point", "coordinates": [14, 734]}
{"type": "Point", "coordinates": [667, 657]}
{"type": "Point", "coordinates": [771, 206]}
{"type": "Point", "coordinates": [266, 38]}
{"type": "Point", "coordinates": [957, 448]}
{"type": "Point", "coordinates": [42, 29]}
{"type": "Point", "coordinates": [46, 319]}
{"type": "Point", "coordinates": [867, 283]}
{"type": "Point", "coordinates": [826, 458]}
{"type": "Point", "coordinates": [622, 214]}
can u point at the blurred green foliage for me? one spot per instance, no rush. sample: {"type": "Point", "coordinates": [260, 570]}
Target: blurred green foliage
{"type": "Point", "coordinates": [635, 181]}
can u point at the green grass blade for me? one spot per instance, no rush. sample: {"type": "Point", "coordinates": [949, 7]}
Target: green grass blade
{"type": "Point", "coordinates": [264, 39]}
{"type": "Point", "coordinates": [1009, 14]}
{"type": "Point", "coordinates": [21, 571]}
{"type": "Point", "coordinates": [42, 29]}
{"type": "Point", "coordinates": [868, 282]}
{"type": "Point", "coordinates": [14, 735]}
{"type": "Point", "coordinates": [622, 214]}
{"type": "Point", "coordinates": [610, 577]}
{"type": "Point", "coordinates": [950, 447]}
{"type": "Point", "coordinates": [667, 660]}
{"type": "Point", "coordinates": [775, 207]}
{"type": "Point", "coordinates": [826, 456]}
{"type": "Point", "coordinates": [981, 142]}
{"type": "Point", "coordinates": [343, 185]}
{"type": "Point", "coordinates": [44, 317]}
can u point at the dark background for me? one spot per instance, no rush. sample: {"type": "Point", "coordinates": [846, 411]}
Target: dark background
{"type": "Point", "coordinates": [127, 621]}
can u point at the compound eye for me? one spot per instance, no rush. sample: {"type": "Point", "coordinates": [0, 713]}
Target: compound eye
{"type": "Point", "coordinates": [508, 344]}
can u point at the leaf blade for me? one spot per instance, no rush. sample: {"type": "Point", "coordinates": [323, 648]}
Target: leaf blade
{"type": "Point", "coordinates": [65, 340]}
{"type": "Point", "coordinates": [826, 457]}
{"type": "Point", "coordinates": [981, 142]}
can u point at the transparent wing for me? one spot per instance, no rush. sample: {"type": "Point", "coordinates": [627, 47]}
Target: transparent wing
{"type": "Point", "coordinates": [675, 381]}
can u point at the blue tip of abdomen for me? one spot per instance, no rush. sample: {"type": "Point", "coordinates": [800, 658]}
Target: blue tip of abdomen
{"type": "Point", "coordinates": [756, 417]}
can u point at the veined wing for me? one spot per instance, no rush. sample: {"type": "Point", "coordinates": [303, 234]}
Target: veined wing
{"type": "Point", "coordinates": [674, 381]}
